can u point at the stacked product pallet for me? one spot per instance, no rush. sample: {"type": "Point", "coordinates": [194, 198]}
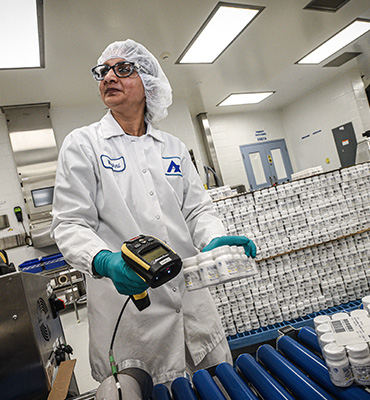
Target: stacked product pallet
{"type": "Point", "coordinates": [313, 240]}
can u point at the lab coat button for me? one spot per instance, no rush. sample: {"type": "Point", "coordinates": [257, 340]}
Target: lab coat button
{"type": "Point", "coordinates": [151, 193]}
{"type": "Point", "coordinates": [177, 311]}
{"type": "Point", "coordinates": [158, 216]}
{"type": "Point", "coordinates": [174, 289]}
{"type": "Point", "coordinates": [144, 170]}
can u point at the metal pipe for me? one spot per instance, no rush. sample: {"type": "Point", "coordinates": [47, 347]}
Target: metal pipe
{"type": "Point", "coordinates": [206, 387]}
{"type": "Point", "coordinates": [307, 336]}
{"type": "Point", "coordinates": [235, 387]}
{"type": "Point", "coordinates": [299, 384]}
{"type": "Point", "coordinates": [315, 367]}
{"type": "Point", "coordinates": [181, 389]}
{"type": "Point", "coordinates": [160, 392]}
{"type": "Point", "coordinates": [263, 382]}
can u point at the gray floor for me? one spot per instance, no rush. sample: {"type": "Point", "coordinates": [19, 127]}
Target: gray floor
{"type": "Point", "coordinates": [76, 334]}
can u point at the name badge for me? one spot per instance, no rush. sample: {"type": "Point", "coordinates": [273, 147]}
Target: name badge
{"type": "Point", "coordinates": [115, 164]}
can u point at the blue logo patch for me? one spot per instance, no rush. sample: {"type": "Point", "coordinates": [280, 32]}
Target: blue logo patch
{"type": "Point", "coordinates": [115, 164]}
{"type": "Point", "coordinates": [173, 166]}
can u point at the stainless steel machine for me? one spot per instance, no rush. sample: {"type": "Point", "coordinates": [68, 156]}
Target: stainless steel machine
{"type": "Point", "coordinates": [32, 342]}
{"type": "Point", "coordinates": [35, 154]}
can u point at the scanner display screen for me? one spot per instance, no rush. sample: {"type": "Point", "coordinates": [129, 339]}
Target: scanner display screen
{"type": "Point", "coordinates": [152, 254]}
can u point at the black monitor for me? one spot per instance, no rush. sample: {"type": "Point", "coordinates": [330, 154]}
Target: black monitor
{"type": "Point", "coordinates": [42, 197]}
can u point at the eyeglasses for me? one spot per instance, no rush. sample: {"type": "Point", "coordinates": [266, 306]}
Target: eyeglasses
{"type": "Point", "coordinates": [122, 69]}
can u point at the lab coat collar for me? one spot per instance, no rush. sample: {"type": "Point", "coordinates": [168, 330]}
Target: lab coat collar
{"type": "Point", "coordinates": [111, 128]}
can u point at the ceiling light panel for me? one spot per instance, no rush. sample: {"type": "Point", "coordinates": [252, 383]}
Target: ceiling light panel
{"type": "Point", "coordinates": [237, 99]}
{"type": "Point", "coordinates": [325, 5]}
{"type": "Point", "coordinates": [19, 29]}
{"type": "Point", "coordinates": [346, 36]}
{"type": "Point", "coordinates": [221, 28]}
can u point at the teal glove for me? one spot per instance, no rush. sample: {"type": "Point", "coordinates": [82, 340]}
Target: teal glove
{"type": "Point", "coordinates": [249, 247]}
{"type": "Point", "coordinates": [112, 265]}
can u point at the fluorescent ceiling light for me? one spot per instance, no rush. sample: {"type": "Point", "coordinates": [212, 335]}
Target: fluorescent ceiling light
{"type": "Point", "coordinates": [224, 24]}
{"type": "Point", "coordinates": [20, 46]}
{"type": "Point", "coordinates": [245, 98]}
{"type": "Point", "coordinates": [347, 35]}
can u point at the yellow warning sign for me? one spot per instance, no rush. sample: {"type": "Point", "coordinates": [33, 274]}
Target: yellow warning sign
{"type": "Point", "coordinates": [270, 159]}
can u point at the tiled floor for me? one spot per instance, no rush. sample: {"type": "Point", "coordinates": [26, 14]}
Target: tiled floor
{"type": "Point", "coordinates": [77, 337]}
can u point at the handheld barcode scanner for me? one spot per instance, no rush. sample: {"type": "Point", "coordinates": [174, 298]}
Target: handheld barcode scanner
{"type": "Point", "coordinates": [153, 261]}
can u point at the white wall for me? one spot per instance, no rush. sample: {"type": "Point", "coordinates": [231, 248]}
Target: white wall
{"type": "Point", "coordinates": [337, 102]}
{"type": "Point", "coordinates": [326, 107]}
{"type": "Point", "coordinates": [232, 130]}
{"type": "Point", "coordinates": [63, 121]}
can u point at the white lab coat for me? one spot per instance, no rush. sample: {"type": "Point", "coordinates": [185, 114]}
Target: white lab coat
{"type": "Point", "coordinates": [109, 188]}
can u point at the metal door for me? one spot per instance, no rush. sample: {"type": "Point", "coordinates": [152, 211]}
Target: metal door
{"type": "Point", "coordinates": [267, 163]}
{"type": "Point", "coordinates": [345, 140]}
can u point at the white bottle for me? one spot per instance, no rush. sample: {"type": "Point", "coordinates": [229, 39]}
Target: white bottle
{"type": "Point", "coordinates": [359, 358]}
{"type": "Point", "coordinates": [191, 273]}
{"type": "Point", "coordinates": [239, 264]}
{"type": "Point", "coordinates": [245, 261]}
{"type": "Point", "coordinates": [338, 365]}
{"type": "Point", "coordinates": [225, 263]}
{"type": "Point", "coordinates": [300, 308]}
{"type": "Point", "coordinates": [293, 311]}
{"type": "Point", "coordinates": [207, 268]}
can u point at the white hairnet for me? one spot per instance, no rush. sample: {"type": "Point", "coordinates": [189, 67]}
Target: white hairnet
{"type": "Point", "coordinates": [158, 91]}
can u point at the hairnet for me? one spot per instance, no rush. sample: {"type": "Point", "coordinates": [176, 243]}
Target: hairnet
{"type": "Point", "coordinates": [158, 91]}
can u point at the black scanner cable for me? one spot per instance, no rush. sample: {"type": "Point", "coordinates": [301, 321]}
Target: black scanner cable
{"type": "Point", "coordinates": [112, 362]}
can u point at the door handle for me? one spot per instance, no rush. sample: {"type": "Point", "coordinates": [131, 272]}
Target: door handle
{"type": "Point", "coordinates": [272, 183]}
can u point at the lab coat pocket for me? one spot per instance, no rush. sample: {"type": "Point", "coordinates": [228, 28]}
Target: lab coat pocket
{"type": "Point", "coordinates": [172, 169]}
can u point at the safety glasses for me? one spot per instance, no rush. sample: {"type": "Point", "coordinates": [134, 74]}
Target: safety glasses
{"type": "Point", "coordinates": [122, 69]}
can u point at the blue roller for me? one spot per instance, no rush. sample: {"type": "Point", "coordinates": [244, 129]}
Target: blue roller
{"type": "Point", "coordinates": [235, 387]}
{"type": "Point", "coordinates": [298, 383]}
{"type": "Point", "coordinates": [308, 337]}
{"type": "Point", "coordinates": [160, 392]}
{"type": "Point", "coordinates": [206, 387]}
{"type": "Point", "coordinates": [181, 389]}
{"type": "Point", "coordinates": [315, 367]}
{"type": "Point", "coordinates": [264, 383]}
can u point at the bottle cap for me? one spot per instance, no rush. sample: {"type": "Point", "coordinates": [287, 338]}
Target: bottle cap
{"type": "Point", "coordinates": [221, 250]}
{"type": "Point", "coordinates": [321, 319]}
{"type": "Point", "coordinates": [366, 301]}
{"type": "Point", "coordinates": [204, 257]}
{"type": "Point", "coordinates": [339, 316]}
{"type": "Point", "coordinates": [189, 262]}
{"type": "Point", "coordinates": [358, 350]}
{"type": "Point", "coordinates": [323, 328]}
{"type": "Point", "coordinates": [359, 313]}
{"type": "Point", "coordinates": [334, 352]}
{"type": "Point", "coordinates": [326, 338]}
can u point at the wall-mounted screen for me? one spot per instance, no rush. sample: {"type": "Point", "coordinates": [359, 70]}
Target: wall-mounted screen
{"type": "Point", "coordinates": [42, 197]}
